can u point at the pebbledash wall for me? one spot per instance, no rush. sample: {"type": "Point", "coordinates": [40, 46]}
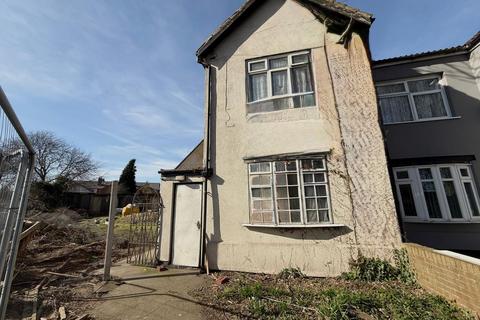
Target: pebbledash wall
{"type": "Point", "coordinates": [344, 124]}
{"type": "Point", "coordinates": [451, 275]}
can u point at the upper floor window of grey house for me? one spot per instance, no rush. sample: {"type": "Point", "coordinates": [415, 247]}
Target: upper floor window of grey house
{"type": "Point", "coordinates": [415, 99]}
{"type": "Point", "coordinates": [280, 82]}
{"type": "Point", "coordinates": [444, 192]}
{"type": "Point", "coordinates": [289, 192]}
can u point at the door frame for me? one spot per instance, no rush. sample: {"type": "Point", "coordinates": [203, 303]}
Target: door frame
{"type": "Point", "coordinates": [172, 225]}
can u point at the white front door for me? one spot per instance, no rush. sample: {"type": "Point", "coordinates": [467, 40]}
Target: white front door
{"type": "Point", "coordinates": [186, 228]}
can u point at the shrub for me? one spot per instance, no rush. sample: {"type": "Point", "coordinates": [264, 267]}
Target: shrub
{"type": "Point", "coordinates": [291, 273]}
{"type": "Point", "coordinates": [375, 269]}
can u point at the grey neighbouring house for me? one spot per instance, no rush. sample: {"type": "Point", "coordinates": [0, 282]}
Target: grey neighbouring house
{"type": "Point", "coordinates": [292, 170]}
{"type": "Point", "coordinates": [430, 107]}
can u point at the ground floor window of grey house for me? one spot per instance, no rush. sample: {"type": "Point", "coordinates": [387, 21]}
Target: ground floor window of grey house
{"type": "Point", "coordinates": [443, 192]}
{"type": "Point", "coordinates": [289, 192]}
{"type": "Point", "coordinates": [280, 82]}
{"type": "Point", "coordinates": [413, 100]}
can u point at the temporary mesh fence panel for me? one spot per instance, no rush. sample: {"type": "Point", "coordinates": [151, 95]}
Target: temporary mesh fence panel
{"type": "Point", "coordinates": [16, 166]}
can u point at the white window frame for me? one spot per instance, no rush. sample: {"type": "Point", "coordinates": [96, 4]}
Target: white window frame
{"type": "Point", "coordinates": [288, 68]}
{"type": "Point", "coordinates": [301, 193]}
{"type": "Point", "coordinates": [419, 199]}
{"type": "Point", "coordinates": [411, 95]}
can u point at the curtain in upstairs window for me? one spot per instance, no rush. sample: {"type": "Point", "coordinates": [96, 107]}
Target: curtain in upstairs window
{"type": "Point", "coordinates": [258, 86]}
{"type": "Point", "coordinates": [395, 109]}
{"type": "Point", "coordinates": [301, 79]}
{"type": "Point", "coordinates": [279, 82]}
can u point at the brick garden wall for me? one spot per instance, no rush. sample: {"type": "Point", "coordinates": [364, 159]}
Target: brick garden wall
{"type": "Point", "coordinates": [451, 275]}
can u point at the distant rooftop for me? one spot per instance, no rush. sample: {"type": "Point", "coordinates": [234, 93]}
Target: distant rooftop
{"type": "Point", "coordinates": [471, 43]}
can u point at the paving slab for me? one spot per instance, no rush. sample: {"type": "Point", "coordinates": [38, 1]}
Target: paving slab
{"type": "Point", "coordinates": [146, 293]}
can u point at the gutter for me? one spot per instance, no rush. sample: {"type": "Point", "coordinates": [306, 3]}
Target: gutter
{"type": "Point", "coordinates": [418, 59]}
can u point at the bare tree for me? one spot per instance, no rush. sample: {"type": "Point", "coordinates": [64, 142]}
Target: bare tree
{"type": "Point", "coordinates": [56, 158]}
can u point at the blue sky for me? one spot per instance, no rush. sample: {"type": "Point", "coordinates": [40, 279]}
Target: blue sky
{"type": "Point", "coordinates": [119, 79]}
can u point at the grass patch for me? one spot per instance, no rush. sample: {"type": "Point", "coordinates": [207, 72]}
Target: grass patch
{"type": "Point", "coordinates": [270, 297]}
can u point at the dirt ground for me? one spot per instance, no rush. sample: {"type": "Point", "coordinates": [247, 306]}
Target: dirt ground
{"type": "Point", "coordinates": [56, 267]}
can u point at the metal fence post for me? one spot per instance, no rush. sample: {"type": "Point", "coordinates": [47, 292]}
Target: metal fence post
{"type": "Point", "coordinates": [111, 223]}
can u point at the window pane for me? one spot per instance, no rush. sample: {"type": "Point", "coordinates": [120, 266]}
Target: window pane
{"type": "Point", "coordinates": [311, 203]}
{"type": "Point", "coordinates": [256, 217]}
{"type": "Point", "coordinates": [292, 179]}
{"type": "Point", "coordinates": [263, 179]}
{"type": "Point", "coordinates": [301, 80]}
{"type": "Point", "coordinates": [452, 199]}
{"type": "Point", "coordinates": [284, 216]}
{"type": "Point", "coordinates": [312, 216]}
{"type": "Point", "coordinates": [280, 166]}
{"type": "Point", "coordinates": [318, 164]}
{"type": "Point", "coordinates": [261, 192]}
{"type": "Point", "coordinates": [431, 199]}
{"type": "Point", "coordinates": [279, 83]}
{"type": "Point", "coordinates": [301, 58]}
{"type": "Point", "coordinates": [425, 174]}
{"type": "Point", "coordinates": [430, 106]}
{"type": "Point", "coordinates": [408, 203]}
{"type": "Point", "coordinates": [260, 167]}
{"type": "Point", "coordinates": [391, 88]}
{"type": "Point", "coordinates": [323, 215]}
{"type": "Point", "coordinates": [321, 191]}
{"type": "Point", "coordinates": [309, 191]}
{"type": "Point", "coordinates": [307, 100]}
{"type": "Point", "coordinates": [307, 178]}
{"type": "Point", "coordinates": [395, 109]}
{"type": "Point", "coordinates": [268, 217]}
{"type": "Point", "coordinates": [278, 63]}
{"type": "Point", "coordinates": [322, 203]}
{"type": "Point", "coordinates": [258, 86]}
{"type": "Point", "coordinates": [402, 174]}
{"type": "Point", "coordinates": [282, 204]}
{"type": "Point", "coordinates": [281, 179]}
{"type": "Point", "coordinates": [423, 85]}
{"type": "Point", "coordinates": [446, 173]}
{"type": "Point", "coordinates": [255, 66]}
{"type": "Point", "coordinates": [282, 192]}
{"type": "Point", "coordinates": [471, 199]}
{"type": "Point", "coordinates": [293, 192]}
{"type": "Point", "coordinates": [319, 177]}
{"type": "Point", "coordinates": [464, 172]}
{"type": "Point", "coordinates": [295, 216]}
{"type": "Point", "coordinates": [291, 166]}
{"type": "Point", "coordinates": [294, 204]}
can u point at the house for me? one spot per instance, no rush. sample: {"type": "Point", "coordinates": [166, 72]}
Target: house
{"type": "Point", "coordinates": [430, 107]}
{"type": "Point", "coordinates": [292, 170]}
{"type": "Point", "coordinates": [94, 196]}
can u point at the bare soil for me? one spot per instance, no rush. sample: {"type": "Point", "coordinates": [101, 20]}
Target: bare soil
{"type": "Point", "coordinates": [57, 267]}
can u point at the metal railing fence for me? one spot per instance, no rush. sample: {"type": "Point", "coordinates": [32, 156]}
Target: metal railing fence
{"type": "Point", "coordinates": [17, 159]}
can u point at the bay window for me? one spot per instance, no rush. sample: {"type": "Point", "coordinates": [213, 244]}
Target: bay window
{"type": "Point", "coordinates": [443, 192]}
{"type": "Point", "coordinates": [280, 82]}
{"type": "Point", "coordinates": [412, 100]}
{"type": "Point", "coordinates": [293, 191]}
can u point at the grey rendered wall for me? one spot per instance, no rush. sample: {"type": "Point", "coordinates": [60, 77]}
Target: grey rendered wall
{"type": "Point", "coordinates": [453, 137]}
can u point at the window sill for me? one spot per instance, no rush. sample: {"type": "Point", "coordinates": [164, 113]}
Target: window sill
{"type": "Point", "coordinates": [294, 226]}
{"type": "Point", "coordinates": [476, 221]}
{"type": "Point", "coordinates": [420, 121]}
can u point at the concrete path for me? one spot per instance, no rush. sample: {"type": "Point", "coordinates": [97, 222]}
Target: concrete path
{"type": "Point", "coordinates": [149, 294]}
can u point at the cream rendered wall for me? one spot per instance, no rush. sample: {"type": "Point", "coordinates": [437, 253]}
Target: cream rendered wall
{"type": "Point", "coordinates": [475, 63]}
{"type": "Point", "coordinates": [277, 27]}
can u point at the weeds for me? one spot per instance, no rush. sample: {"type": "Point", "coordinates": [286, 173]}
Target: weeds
{"type": "Point", "coordinates": [303, 298]}
{"type": "Point", "coordinates": [291, 273]}
{"type": "Point", "coordinates": [374, 269]}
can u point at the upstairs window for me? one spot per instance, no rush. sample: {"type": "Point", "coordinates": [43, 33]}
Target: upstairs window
{"type": "Point", "coordinates": [412, 100]}
{"type": "Point", "coordinates": [280, 82]}
{"type": "Point", "coordinates": [289, 192]}
{"type": "Point", "coordinates": [444, 192]}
